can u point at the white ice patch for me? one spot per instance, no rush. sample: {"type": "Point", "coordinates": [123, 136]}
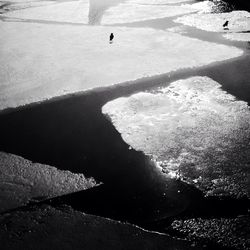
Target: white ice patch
{"type": "Point", "coordinates": [130, 12]}
{"type": "Point", "coordinates": [22, 180]}
{"type": "Point", "coordinates": [238, 21]}
{"type": "Point", "coordinates": [158, 2]}
{"type": "Point", "coordinates": [202, 7]}
{"type": "Point", "coordinates": [193, 129]}
{"type": "Point", "coordinates": [243, 37]}
{"type": "Point", "coordinates": [22, 5]}
{"type": "Point", "coordinates": [71, 12]}
{"type": "Point", "coordinates": [40, 61]}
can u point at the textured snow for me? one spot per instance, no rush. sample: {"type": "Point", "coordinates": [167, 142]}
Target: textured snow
{"type": "Point", "coordinates": [238, 21]}
{"type": "Point", "coordinates": [40, 61]}
{"type": "Point", "coordinates": [192, 129]}
{"type": "Point", "coordinates": [21, 181]}
{"type": "Point", "coordinates": [72, 12]}
{"type": "Point", "coordinates": [131, 12]}
{"type": "Point", "coordinates": [244, 37]}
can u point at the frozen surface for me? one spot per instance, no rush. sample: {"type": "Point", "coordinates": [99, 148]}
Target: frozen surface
{"type": "Point", "coordinates": [40, 61]}
{"type": "Point", "coordinates": [131, 12]}
{"type": "Point", "coordinates": [64, 228]}
{"type": "Point", "coordinates": [16, 5]}
{"type": "Point", "coordinates": [194, 131]}
{"type": "Point", "coordinates": [22, 181]}
{"type": "Point", "coordinates": [244, 37]}
{"type": "Point", "coordinates": [72, 12]}
{"type": "Point", "coordinates": [158, 2]}
{"type": "Point", "coordinates": [203, 7]}
{"type": "Point", "coordinates": [238, 21]}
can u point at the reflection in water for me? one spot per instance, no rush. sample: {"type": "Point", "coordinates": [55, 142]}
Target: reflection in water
{"type": "Point", "coordinates": [97, 9]}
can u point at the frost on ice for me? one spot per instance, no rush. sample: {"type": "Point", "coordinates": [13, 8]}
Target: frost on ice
{"type": "Point", "coordinates": [40, 61]}
{"type": "Point", "coordinates": [193, 129]}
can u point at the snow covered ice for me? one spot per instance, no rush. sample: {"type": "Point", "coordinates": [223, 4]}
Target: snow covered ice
{"type": "Point", "coordinates": [193, 129]}
{"type": "Point", "coordinates": [22, 181]}
{"type": "Point", "coordinates": [239, 21]}
{"type": "Point", "coordinates": [71, 12]}
{"type": "Point", "coordinates": [40, 61]}
{"type": "Point", "coordinates": [131, 11]}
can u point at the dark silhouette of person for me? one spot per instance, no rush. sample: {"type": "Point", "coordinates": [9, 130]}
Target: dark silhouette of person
{"type": "Point", "coordinates": [225, 25]}
{"type": "Point", "coordinates": [111, 37]}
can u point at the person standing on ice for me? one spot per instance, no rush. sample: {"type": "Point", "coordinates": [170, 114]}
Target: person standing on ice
{"type": "Point", "coordinates": [111, 37]}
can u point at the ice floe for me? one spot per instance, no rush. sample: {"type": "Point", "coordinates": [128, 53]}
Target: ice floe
{"type": "Point", "coordinates": [22, 181]}
{"type": "Point", "coordinates": [193, 129]}
{"type": "Point", "coordinates": [238, 21]}
{"type": "Point", "coordinates": [40, 61]}
{"type": "Point", "coordinates": [72, 12]}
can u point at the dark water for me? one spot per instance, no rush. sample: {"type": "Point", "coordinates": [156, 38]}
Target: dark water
{"type": "Point", "coordinates": [239, 4]}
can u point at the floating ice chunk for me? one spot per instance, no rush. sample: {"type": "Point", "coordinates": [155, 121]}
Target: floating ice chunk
{"type": "Point", "coordinates": [40, 61]}
{"type": "Point", "coordinates": [129, 12]}
{"type": "Point", "coordinates": [193, 129]}
{"type": "Point", "coordinates": [72, 12]}
{"type": "Point", "coordinates": [244, 37]}
{"type": "Point", "coordinates": [21, 181]}
{"type": "Point", "coordinates": [238, 21]}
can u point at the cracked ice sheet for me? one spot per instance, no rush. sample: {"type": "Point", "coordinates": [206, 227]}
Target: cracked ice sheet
{"type": "Point", "coordinates": [132, 12]}
{"type": "Point", "coordinates": [22, 181]}
{"type": "Point", "coordinates": [192, 128]}
{"type": "Point", "coordinates": [41, 61]}
{"type": "Point", "coordinates": [238, 21]}
{"type": "Point", "coordinates": [71, 12]}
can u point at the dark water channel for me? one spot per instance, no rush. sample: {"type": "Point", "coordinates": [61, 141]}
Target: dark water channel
{"type": "Point", "coordinates": [71, 133]}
